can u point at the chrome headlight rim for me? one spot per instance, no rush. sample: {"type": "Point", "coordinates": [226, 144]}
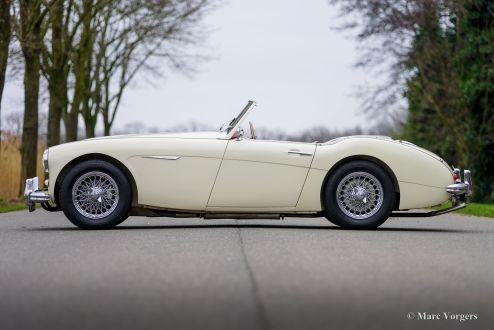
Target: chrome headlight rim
{"type": "Point", "coordinates": [45, 160]}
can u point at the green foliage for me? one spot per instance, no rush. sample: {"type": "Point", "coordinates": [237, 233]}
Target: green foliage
{"type": "Point", "coordinates": [424, 129]}
{"type": "Point", "coordinates": [429, 97]}
{"type": "Point", "coordinates": [477, 85]}
{"type": "Point", "coordinates": [451, 90]}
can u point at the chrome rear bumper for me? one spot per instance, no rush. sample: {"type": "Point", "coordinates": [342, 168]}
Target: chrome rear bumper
{"type": "Point", "coordinates": [461, 188]}
{"type": "Point", "coordinates": [33, 195]}
{"type": "Point", "coordinates": [460, 191]}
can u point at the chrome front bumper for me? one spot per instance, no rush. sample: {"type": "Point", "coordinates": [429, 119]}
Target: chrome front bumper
{"type": "Point", "coordinates": [33, 195]}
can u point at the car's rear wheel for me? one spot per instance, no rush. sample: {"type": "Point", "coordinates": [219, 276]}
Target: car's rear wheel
{"type": "Point", "coordinates": [359, 195]}
{"type": "Point", "coordinates": [95, 195]}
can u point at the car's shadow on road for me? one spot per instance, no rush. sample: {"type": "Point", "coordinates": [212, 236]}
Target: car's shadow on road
{"type": "Point", "coordinates": [257, 226]}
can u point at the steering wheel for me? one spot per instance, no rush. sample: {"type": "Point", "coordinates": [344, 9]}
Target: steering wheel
{"type": "Point", "coordinates": [252, 131]}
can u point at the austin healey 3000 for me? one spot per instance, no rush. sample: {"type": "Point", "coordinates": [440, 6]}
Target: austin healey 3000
{"type": "Point", "coordinates": [355, 182]}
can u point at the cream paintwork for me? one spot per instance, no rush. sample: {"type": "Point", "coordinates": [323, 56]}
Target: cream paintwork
{"type": "Point", "coordinates": [257, 171]}
{"type": "Point", "coordinates": [214, 174]}
{"type": "Point", "coordinates": [184, 183]}
{"type": "Point", "coordinates": [421, 175]}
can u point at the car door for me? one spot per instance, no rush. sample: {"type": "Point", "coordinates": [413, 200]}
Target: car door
{"type": "Point", "coordinates": [176, 173]}
{"type": "Point", "coordinates": [261, 174]}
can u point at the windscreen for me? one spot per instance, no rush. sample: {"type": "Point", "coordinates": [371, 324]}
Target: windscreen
{"type": "Point", "coordinates": [235, 120]}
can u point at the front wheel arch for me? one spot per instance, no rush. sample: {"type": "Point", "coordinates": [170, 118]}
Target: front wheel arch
{"type": "Point", "coordinates": [368, 158]}
{"type": "Point", "coordinates": [96, 156]}
{"type": "Point", "coordinates": [103, 195]}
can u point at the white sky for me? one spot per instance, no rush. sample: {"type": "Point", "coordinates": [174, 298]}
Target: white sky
{"type": "Point", "coordinates": [281, 53]}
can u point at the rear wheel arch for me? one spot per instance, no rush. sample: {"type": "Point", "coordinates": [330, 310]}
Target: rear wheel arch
{"type": "Point", "coordinates": [371, 159]}
{"type": "Point", "coordinates": [102, 157]}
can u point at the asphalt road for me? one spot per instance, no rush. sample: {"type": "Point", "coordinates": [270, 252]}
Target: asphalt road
{"type": "Point", "coordinates": [156, 273]}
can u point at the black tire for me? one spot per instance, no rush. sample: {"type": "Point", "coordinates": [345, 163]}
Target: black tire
{"type": "Point", "coordinates": [118, 200]}
{"type": "Point", "coordinates": [338, 206]}
{"type": "Point", "coordinates": [123, 219]}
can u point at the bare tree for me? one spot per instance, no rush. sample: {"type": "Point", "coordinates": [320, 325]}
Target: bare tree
{"type": "Point", "coordinates": [129, 36]}
{"type": "Point", "coordinates": [81, 65]}
{"type": "Point", "coordinates": [95, 48]}
{"type": "Point", "coordinates": [29, 35]}
{"type": "Point", "coordinates": [60, 30]}
{"type": "Point", "coordinates": [385, 30]}
{"type": "Point", "coordinates": [5, 36]}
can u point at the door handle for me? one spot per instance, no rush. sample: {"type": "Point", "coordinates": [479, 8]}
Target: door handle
{"type": "Point", "coordinates": [298, 152]}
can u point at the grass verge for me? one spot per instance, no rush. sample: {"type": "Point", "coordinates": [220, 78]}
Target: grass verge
{"type": "Point", "coordinates": [475, 209]}
{"type": "Point", "coordinates": [9, 206]}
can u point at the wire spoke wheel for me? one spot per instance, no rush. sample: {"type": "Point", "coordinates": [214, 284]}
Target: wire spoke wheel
{"type": "Point", "coordinates": [95, 195]}
{"type": "Point", "coordinates": [359, 195]}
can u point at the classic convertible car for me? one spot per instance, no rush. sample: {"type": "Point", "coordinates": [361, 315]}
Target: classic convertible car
{"type": "Point", "coordinates": [355, 182]}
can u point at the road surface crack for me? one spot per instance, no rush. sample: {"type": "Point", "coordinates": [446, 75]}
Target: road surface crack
{"type": "Point", "coordinates": [261, 313]}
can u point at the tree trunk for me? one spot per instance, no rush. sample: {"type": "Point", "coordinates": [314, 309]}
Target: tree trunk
{"type": "Point", "coordinates": [71, 121]}
{"type": "Point", "coordinates": [107, 129]}
{"type": "Point", "coordinates": [81, 71]}
{"type": "Point", "coordinates": [58, 94]}
{"type": "Point", "coordinates": [30, 40]}
{"type": "Point", "coordinates": [57, 85]}
{"type": "Point", "coordinates": [30, 127]}
{"type": "Point", "coordinates": [5, 34]}
{"type": "Point", "coordinates": [90, 132]}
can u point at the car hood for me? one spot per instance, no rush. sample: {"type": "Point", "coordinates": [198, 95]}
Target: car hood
{"type": "Point", "coordinates": [184, 135]}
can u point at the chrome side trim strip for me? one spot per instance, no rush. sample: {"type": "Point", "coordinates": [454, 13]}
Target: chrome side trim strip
{"type": "Point", "coordinates": [163, 157]}
{"type": "Point", "coordinates": [301, 153]}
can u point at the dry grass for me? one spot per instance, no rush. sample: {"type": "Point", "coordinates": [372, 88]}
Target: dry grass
{"type": "Point", "coordinates": [10, 167]}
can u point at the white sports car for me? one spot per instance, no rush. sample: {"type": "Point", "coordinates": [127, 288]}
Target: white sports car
{"type": "Point", "coordinates": [355, 182]}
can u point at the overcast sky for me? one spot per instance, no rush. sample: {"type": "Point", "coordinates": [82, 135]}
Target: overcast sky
{"type": "Point", "coordinates": [281, 53]}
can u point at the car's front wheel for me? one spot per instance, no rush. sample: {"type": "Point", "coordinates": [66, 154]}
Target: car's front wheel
{"type": "Point", "coordinates": [359, 195]}
{"type": "Point", "coordinates": [95, 195]}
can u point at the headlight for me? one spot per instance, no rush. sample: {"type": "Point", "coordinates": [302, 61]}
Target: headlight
{"type": "Point", "coordinates": [45, 161]}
